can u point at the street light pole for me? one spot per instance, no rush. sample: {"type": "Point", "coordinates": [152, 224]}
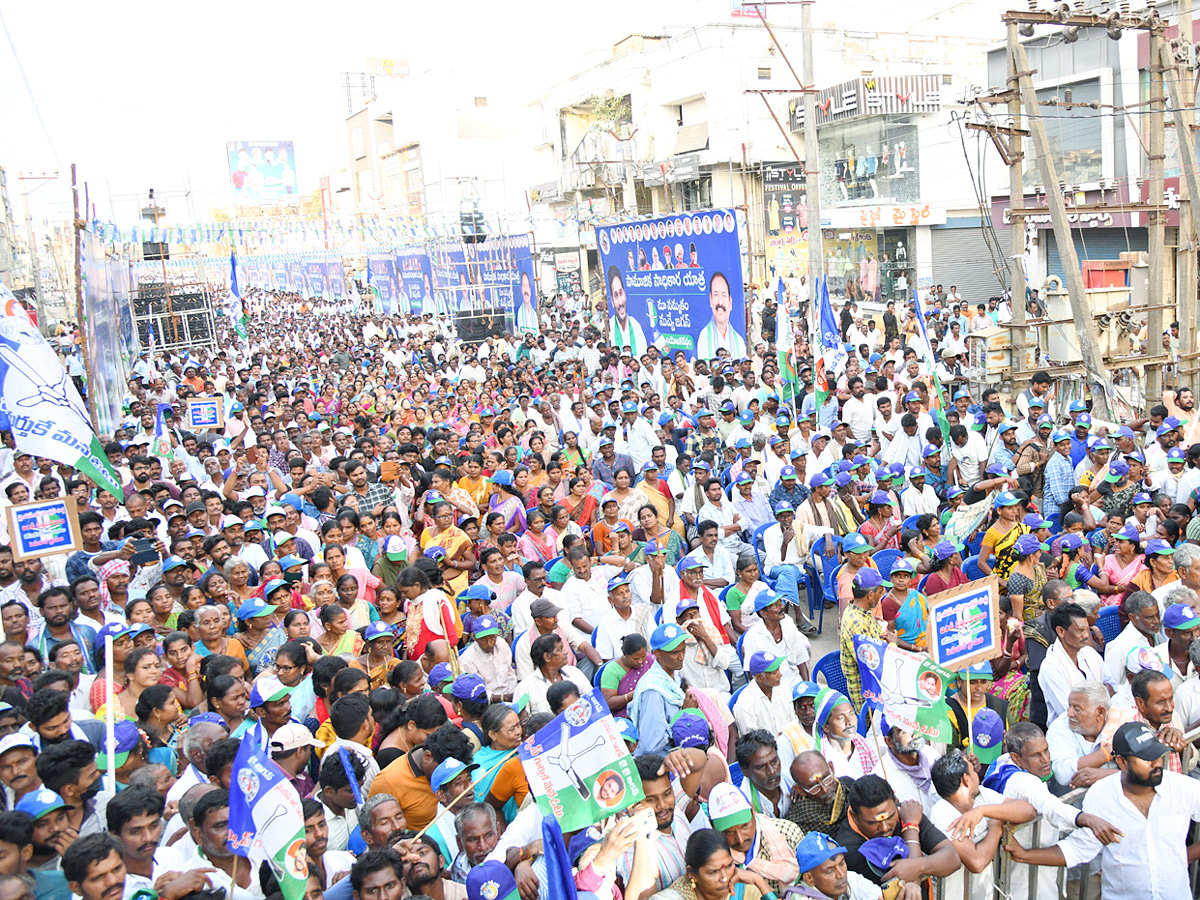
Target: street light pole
{"type": "Point", "coordinates": [32, 242]}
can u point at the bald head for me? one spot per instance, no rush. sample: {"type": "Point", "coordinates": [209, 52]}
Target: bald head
{"type": "Point", "coordinates": [191, 797]}
{"type": "Point", "coordinates": [811, 773]}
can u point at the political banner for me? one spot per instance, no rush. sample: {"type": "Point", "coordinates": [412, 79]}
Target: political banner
{"type": "Point", "coordinates": [906, 687]}
{"type": "Point", "coordinates": [105, 322]}
{"type": "Point", "coordinates": [262, 172]}
{"type": "Point", "coordinates": [451, 277]}
{"type": "Point", "coordinates": [785, 203]}
{"type": "Point", "coordinates": [578, 767]}
{"type": "Point", "coordinates": [965, 520]}
{"type": "Point", "coordinates": [45, 413]}
{"type": "Point", "coordinates": [964, 624]}
{"type": "Point", "coordinates": [415, 276]}
{"type": "Point", "coordinates": [504, 266]}
{"type": "Point", "coordinates": [315, 283]}
{"type": "Point", "coordinates": [381, 275]}
{"type": "Point", "coordinates": [279, 274]}
{"type": "Point", "coordinates": [44, 528]}
{"type": "Point", "coordinates": [335, 277]}
{"type": "Point", "coordinates": [675, 282]}
{"type": "Point", "coordinates": [295, 276]}
{"type": "Point", "coordinates": [266, 819]}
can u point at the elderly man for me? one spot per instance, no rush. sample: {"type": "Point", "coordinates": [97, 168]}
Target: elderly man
{"type": "Point", "coordinates": [1078, 757]}
{"type": "Point", "coordinates": [1145, 620]}
{"type": "Point", "coordinates": [775, 633]}
{"type": "Point", "coordinates": [1187, 567]}
{"type": "Point", "coordinates": [786, 546]}
{"type": "Point", "coordinates": [764, 703]}
{"type": "Point", "coordinates": [659, 694]}
{"type": "Point", "coordinates": [820, 802]}
{"type": "Point", "coordinates": [1182, 627]}
{"type": "Point", "coordinates": [762, 844]}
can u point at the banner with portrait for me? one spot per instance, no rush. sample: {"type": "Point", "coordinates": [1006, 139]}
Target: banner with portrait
{"type": "Point", "coordinates": [381, 277]}
{"type": "Point", "coordinates": [451, 277]}
{"type": "Point", "coordinates": [675, 282]}
{"type": "Point", "coordinates": [295, 276]}
{"type": "Point", "coordinates": [414, 277]}
{"type": "Point", "coordinates": [785, 205]}
{"type": "Point", "coordinates": [504, 266]}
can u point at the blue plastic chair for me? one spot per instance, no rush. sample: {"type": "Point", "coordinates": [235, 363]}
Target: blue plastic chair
{"type": "Point", "coordinates": [599, 673]}
{"type": "Point", "coordinates": [816, 591]}
{"type": "Point", "coordinates": [735, 774]}
{"type": "Point", "coordinates": [885, 559]}
{"type": "Point", "coordinates": [733, 699]}
{"type": "Point", "coordinates": [738, 647]}
{"type": "Point", "coordinates": [830, 586]}
{"type": "Point", "coordinates": [830, 665]}
{"type": "Point", "coordinates": [921, 584]}
{"type": "Point", "coordinates": [864, 720]}
{"type": "Point", "coordinates": [910, 522]}
{"type": "Point", "coordinates": [1109, 622]}
{"type": "Point", "coordinates": [974, 544]}
{"type": "Point", "coordinates": [758, 556]}
{"type": "Point", "coordinates": [971, 568]}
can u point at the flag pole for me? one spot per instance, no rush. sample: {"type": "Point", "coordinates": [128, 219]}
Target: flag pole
{"type": "Point", "coordinates": [470, 787]}
{"type": "Point", "coordinates": [970, 724]}
{"type": "Point", "coordinates": [110, 721]}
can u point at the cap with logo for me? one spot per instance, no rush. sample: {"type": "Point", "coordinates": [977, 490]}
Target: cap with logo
{"type": "Point", "coordinates": [727, 807]}
{"type": "Point", "coordinates": [1180, 616]}
{"type": "Point", "coordinates": [668, 636]}
{"type": "Point", "coordinates": [1132, 739]}
{"type": "Point", "coordinates": [987, 730]}
{"type": "Point", "coordinates": [815, 849]}
{"type": "Point", "coordinates": [761, 661]}
{"type": "Point", "coordinates": [125, 737]}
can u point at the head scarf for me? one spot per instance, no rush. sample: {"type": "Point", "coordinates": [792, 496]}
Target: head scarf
{"type": "Point", "coordinates": [110, 568]}
{"type": "Point", "coordinates": [823, 705]}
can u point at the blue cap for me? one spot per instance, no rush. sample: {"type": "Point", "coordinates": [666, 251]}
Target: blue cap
{"type": "Point", "coordinates": [784, 507]}
{"type": "Point", "coordinates": [727, 406]}
{"type": "Point", "coordinates": [765, 598]}
{"type": "Point", "coordinates": [617, 581]}
{"type": "Point", "coordinates": [782, 421]}
{"type": "Point", "coordinates": [449, 769]}
{"type": "Point", "coordinates": [1181, 616]}
{"type": "Point", "coordinates": [38, 803]}
{"type": "Point", "coordinates": [1083, 420]}
{"type": "Point", "coordinates": [882, 852]}
{"type": "Point", "coordinates": [125, 737]}
{"type": "Point", "coordinates": [746, 416]}
{"type": "Point", "coordinates": [667, 637]}
{"type": "Point", "coordinates": [629, 406]}
{"type": "Point", "coordinates": [1176, 454]}
{"type": "Point", "coordinates": [912, 397]}
{"type": "Point", "coordinates": [377, 630]}
{"type": "Point", "coordinates": [962, 395]}
{"type": "Point", "coordinates": [1037, 401]}
{"type": "Point", "coordinates": [762, 661]}
{"type": "Point", "coordinates": [816, 848]}
{"type": "Point", "coordinates": [628, 730]}
{"type": "Point", "coordinates": [290, 561]}
{"type": "Point", "coordinates": [257, 606]}
{"type": "Point", "coordinates": [743, 477]}
{"type": "Point", "coordinates": [1124, 432]}
{"type": "Point", "coordinates": [741, 444]}
{"type": "Point", "coordinates": [115, 629]}
{"type": "Point", "coordinates": [1077, 406]}
{"type": "Point", "coordinates": [690, 730]}
{"type": "Point", "coordinates": [1059, 436]}
{"type": "Point", "coordinates": [1005, 426]}
{"type": "Point", "coordinates": [1142, 497]}
{"type": "Point", "coordinates": [787, 472]}
{"type": "Point", "coordinates": [981, 670]}
{"type": "Point", "coordinates": [805, 689]}
{"type": "Point", "coordinates": [881, 498]}
{"type": "Point", "coordinates": [946, 549]}
{"type": "Point", "coordinates": [1035, 521]}
{"type": "Point", "coordinates": [268, 689]}
{"type": "Point", "coordinates": [664, 418]}
{"type": "Point", "coordinates": [684, 605]}
{"type": "Point", "coordinates": [1007, 498]}
{"type": "Point", "coordinates": [1070, 542]}
{"type": "Point", "coordinates": [439, 673]}
{"type": "Point", "coordinates": [929, 449]}
{"type": "Point", "coordinates": [869, 579]}
{"type": "Point", "coordinates": [1157, 546]}
{"type": "Point", "coordinates": [467, 687]}
{"type": "Point", "coordinates": [501, 476]}
{"type": "Point", "coordinates": [903, 564]}
{"type": "Point", "coordinates": [1044, 421]}
{"type": "Point", "coordinates": [855, 543]}
{"type": "Point", "coordinates": [485, 626]}
{"type": "Point", "coordinates": [173, 562]}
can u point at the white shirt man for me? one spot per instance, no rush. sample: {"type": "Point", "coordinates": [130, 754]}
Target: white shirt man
{"type": "Point", "coordinates": [588, 599]}
{"type": "Point", "coordinates": [754, 709]}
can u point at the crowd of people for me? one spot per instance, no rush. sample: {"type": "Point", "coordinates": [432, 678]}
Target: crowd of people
{"type": "Point", "coordinates": [401, 555]}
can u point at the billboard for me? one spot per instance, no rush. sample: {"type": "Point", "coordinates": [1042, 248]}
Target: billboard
{"type": "Point", "coordinates": [295, 276]}
{"type": "Point", "coordinates": [676, 282]}
{"type": "Point", "coordinates": [262, 172]}
{"type": "Point", "coordinates": [451, 277]}
{"type": "Point", "coordinates": [785, 204]}
{"type": "Point", "coordinates": [415, 277]}
{"type": "Point", "coordinates": [112, 338]}
{"type": "Point", "coordinates": [316, 282]}
{"type": "Point", "coordinates": [381, 278]}
{"type": "Point", "coordinates": [505, 272]}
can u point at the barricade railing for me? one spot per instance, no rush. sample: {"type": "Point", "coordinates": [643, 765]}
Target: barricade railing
{"type": "Point", "coordinates": [1002, 866]}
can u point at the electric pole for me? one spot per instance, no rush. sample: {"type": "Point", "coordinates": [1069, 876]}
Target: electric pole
{"type": "Point", "coordinates": [31, 238]}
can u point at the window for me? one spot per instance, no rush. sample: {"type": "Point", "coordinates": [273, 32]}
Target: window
{"type": "Point", "coordinates": [870, 161]}
{"type": "Point", "coordinates": [764, 73]}
{"type": "Point", "coordinates": [696, 194]}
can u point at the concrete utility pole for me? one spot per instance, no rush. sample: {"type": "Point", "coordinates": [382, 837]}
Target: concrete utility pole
{"type": "Point", "coordinates": [1187, 265]}
{"type": "Point", "coordinates": [1156, 295]}
{"type": "Point", "coordinates": [1189, 217]}
{"type": "Point", "coordinates": [812, 158]}
{"type": "Point", "coordinates": [1016, 227]}
{"type": "Point", "coordinates": [1085, 323]}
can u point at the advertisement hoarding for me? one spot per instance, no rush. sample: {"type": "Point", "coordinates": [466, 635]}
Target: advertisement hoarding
{"type": "Point", "coordinates": [415, 277]}
{"type": "Point", "coordinates": [676, 282]}
{"type": "Point", "coordinates": [262, 172]}
{"type": "Point", "coordinates": [785, 204]}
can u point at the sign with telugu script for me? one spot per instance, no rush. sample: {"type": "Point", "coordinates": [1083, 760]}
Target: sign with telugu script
{"type": "Point", "coordinates": [964, 624]}
{"type": "Point", "coordinates": [44, 528]}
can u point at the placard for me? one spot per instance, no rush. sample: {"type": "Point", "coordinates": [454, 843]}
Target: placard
{"type": "Point", "coordinates": [964, 624]}
{"type": "Point", "coordinates": [204, 412]}
{"type": "Point", "coordinates": [44, 528]}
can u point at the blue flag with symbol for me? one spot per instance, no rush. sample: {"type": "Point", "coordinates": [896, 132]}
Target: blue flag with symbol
{"type": "Point", "coordinates": [265, 814]}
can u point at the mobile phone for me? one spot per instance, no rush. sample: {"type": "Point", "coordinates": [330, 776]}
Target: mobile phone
{"type": "Point", "coordinates": [144, 552]}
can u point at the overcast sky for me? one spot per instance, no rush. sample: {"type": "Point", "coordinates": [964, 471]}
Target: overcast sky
{"type": "Point", "coordinates": [144, 95]}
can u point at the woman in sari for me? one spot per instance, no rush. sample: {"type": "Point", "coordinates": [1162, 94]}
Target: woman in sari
{"type": "Point", "coordinates": [904, 606]}
{"type": "Point", "coordinates": [881, 529]}
{"type": "Point", "coordinates": [258, 634]}
{"type": "Point", "coordinates": [388, 607]}
{"type": "Point", "coordinates": [945, 569]}
{"type": "Point", "coordinates": [561, 526]}
{"type": "Point", "coordinates": [1011, 684]}
{"type": "Point", "coordinates": [534, 544]}
{"type": "Point", "coordinates": [629, 500]}
{"type": "Point", "coordinates": [1002, 536]}
{"type": "Point", "coordinates": [338, 639]}
{"type": "Point", "coordinates": [712, 874]}
{"type": "Point", "coordinates": [508, 501]}
{"type": "Point", "coordinates": [579, 503]}
{"type": "Point", "coordinates": [623, 545]}
{"type": "Point", "coordinates": [620, 676]}
{"type": "Point", "coordinates": [432, 615]}
{"type": "Point", "coordinates": [1125, 562]}
{"type": "Point", "coordinates": [1027, 578]}
{"type": "Point", "coordinates": [650, 520]}
{"type": "Point", "coordinates": [237, 573]}
{"type": "Point", "coordinates": [459, 560]}
{"type": "Point", "coordinates": [501, 784]}
{"type": "Point", "coordinates": [365, 583]}
{"type": "Point", "coordinates": [574, 455]}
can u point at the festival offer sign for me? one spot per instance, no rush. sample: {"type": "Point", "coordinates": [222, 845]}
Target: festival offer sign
{"type": "Point", "coordinates": [43, 528]}
{"type": "Point", "coordinates": [964, 624]}
{"type": "Point", "coordinates": [785, 203]}
{"type": "Point", "coordinates": [676, 282]}
{"type": "Point", "coordinates": [415, 276]}
{"type": "Point", "coordinates": [579, 768]}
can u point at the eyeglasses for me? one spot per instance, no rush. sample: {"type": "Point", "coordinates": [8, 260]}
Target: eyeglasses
{"type": "Point", "coordinates": [820, 787]}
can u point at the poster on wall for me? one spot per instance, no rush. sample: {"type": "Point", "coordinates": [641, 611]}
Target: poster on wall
{"type": "Point", "coordinates": [785, 203]}
{"type": "Point", "coordinates": [381, 278]}
{"type": "Point", "coordinates": [415, 278]}
{"type": "Point", "coordinates": [676, 282]}
{"type": "Point", "coordinates": [315, 280]}
{"type": "Point", "coordinates": [505, 272]}
{"type": "Point", "coordinates": [567, 272]}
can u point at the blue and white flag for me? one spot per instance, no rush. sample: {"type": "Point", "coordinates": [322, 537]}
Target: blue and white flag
{"type": "Point", "coordinates": [162, 438]}
{"type": "Point", "coordinates": [234, 307]}
{"type": "Point", "coordinates": [265, 816]}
